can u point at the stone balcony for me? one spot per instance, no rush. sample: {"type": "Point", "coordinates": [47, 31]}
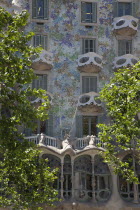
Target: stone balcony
{"type": "Point", "coordinates": [125, 61]}
{"type": "Point", "coordinates": [125, 25]}
{"type": "Point", "coordinates": [90, 62]}
{"type": "Point", "coordinates": [39, 100]}
{"type": "Point", "coordinates": [76, 144]}
{"type": "Point", "coordinates": [90, 102]}
{"type": "Point", "coordinates": [43, 62]}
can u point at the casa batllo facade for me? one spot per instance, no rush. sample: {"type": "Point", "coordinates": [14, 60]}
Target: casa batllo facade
{"type": "Point", "coordinates": [84, 42]}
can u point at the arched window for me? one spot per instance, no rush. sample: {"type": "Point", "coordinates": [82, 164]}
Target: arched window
{"type": "Point", "coordinates": [126, 189]}
{"type": "Point", "coordinates": [67, 171]}
{"type": "Point", "coordinates": [102, 179]}
{"type": "Point", "coordinates": [83, 177]}
{"type": "Point", "coordinates": [54, 162]}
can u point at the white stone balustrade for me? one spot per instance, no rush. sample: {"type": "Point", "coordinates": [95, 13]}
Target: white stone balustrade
{"type": "Point", "coordinates": [43, 139]}
{"type": "Point", "coordinates": [38, 100]}
{"type": "Point", "coordinates": [125, 25]}
{"type": "Point", "coordinates": [76, 144]}
{"type": "Point", "coordinates": [81, 143]}
{"type": "Point", "coordinates": [33, 139]}
{"type": "Point", "coordinates": [89, 62]}
{"type": "Point", "coordinates": [44, 61]}
{"type": "Point", "coordinates": [48, 141]}
{"type": "Point", "coordinates": [89, 98]}
{"type": "Point", "coordinates": [124, 61]}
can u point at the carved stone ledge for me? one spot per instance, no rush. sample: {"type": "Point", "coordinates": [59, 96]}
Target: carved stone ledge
{"type": "Point", "coordinates": [124, 61]}
{"type": "Point", "coordinates": [89, 102]}
{"type": "Point", "coordinates": [125, 25]}
{"type": "Point", "coordinates": [90, 109]}
{"type": "Point", "coordinates": [90, 63]}
{"type": "Point", "coordinates": [39, 100]}
{"type": "Point", "coordinates": [43, 62]}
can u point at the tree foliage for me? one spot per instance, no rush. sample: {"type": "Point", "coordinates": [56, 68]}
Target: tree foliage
{"type": "Point", "coordinates": [26, 181]}
{"type": "Point", "coordinates": [122, 134]}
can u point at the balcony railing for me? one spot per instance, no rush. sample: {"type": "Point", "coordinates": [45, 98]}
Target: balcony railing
{"type": "Point", "coordinates": [78, 143]}
{"type": "Point", "coordinates": [33, 139]}
{"type": "Point", "coordinates": [82, 142]}
{"type": "Point", "coordinates": [90, 102]}
{"type": "Point", "coordinates": [44, 61]}
{"type": "Point", "coordinates": [125, 25]}
{"type": "Point", "coordinates": [50, 141]}
{"type": "Point", "coordinates": [46, 140]}
{"type": "Point", "coordinates": [89, 141]}
{"type": "Point", "coordinates": [90, 62]}
{"type": "Point", "coordinates": [124, 61]}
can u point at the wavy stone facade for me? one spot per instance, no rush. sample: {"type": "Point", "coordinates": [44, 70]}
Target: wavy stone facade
{"type": "Point", "coordinates": [84, 42]}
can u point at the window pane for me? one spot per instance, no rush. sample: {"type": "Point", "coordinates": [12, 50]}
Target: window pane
{"type": "Point", "coordinates": [128, 8]}
{"type": "Point", "coordinates": [88, 45]}
{"type": "Point", "coordinates": [89, 125]}
{"type": "Point", "coordinates": [85, 84]}
{"type": "Point", "coordinates": [40, 40]}
{"type": "Point", "coordinates": [91, 45]}
{"type": "Point", "coordinates": [34, 7]}
{"type": "Point", "coordinates": [88, 12]}
{"type": "Point", "coordinates": [43, 127]}
{"type": "Point", "coordinates": [40, 82]}
{"type": "Point", "coordinates": [124, 47]}
{"type": "Point", "coordinates": [85, 126]}
{"type": "Point", "coordinates": [46, 9]}
{"type": "Point", "coordinates": [88, 8]}
{"type": "Point", "coordinates": [120, 9]}
{"type": "Point", "coordinates": [93, 84]}
{"type": "Point", "coordinates": [124, 9]}
{"type": "Point", "coordinates": [93, 127]}
{"type": "Point", "coordinates": [128, 47]}
{"type": "Point", "coordinates": [40, 8]}
{"type": "Point", "coordinates": [36, 40]}
{"type": "Point", "coordinates": [89, 84]}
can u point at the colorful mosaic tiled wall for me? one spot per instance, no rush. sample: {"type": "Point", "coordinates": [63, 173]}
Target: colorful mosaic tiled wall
{"type": "Point", "coordinates": [65, 31]}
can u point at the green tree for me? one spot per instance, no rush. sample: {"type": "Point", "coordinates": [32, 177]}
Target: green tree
{"type": "Point", "coordinates": [26, 181]}
{"type": "Point", "coordinates": [122, 134]}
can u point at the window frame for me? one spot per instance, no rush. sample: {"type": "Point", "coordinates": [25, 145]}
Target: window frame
{"type": "Point", "coordinates": [45, 39]}
{"type": "Point", "coordinates": [88, 75]}
{"type": "Point", "coordinates": [34, 13]}
{"type": "Point", "coordinates": [84, 39]}
{"type": "Point", "coordinates": [124, 8]}
{"type": "Point", "coordinates": [88, 23]}
{"type": "Point", "coordinates": [90, 87]}
{"type": "Point", "coordinates": [90, 125]}
{"type": "Point", "coordinates": [116, 5]}
{"type": "Point", "coordinates": [129, 41]}
{"type": "Point", "coordinates": [35, 80]}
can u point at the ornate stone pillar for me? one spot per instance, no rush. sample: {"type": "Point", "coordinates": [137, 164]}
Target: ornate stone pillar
{"type": "Point", "coordinates": [62, 178]}
{"type": "Point", "coordinates": [136, 196]}
{"type": "Point", "coordinates": [115, 198]}
{"type": "Point", "coordinates": [72, 177]}
{"type": "Point", "coordinates": [93, 181]}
